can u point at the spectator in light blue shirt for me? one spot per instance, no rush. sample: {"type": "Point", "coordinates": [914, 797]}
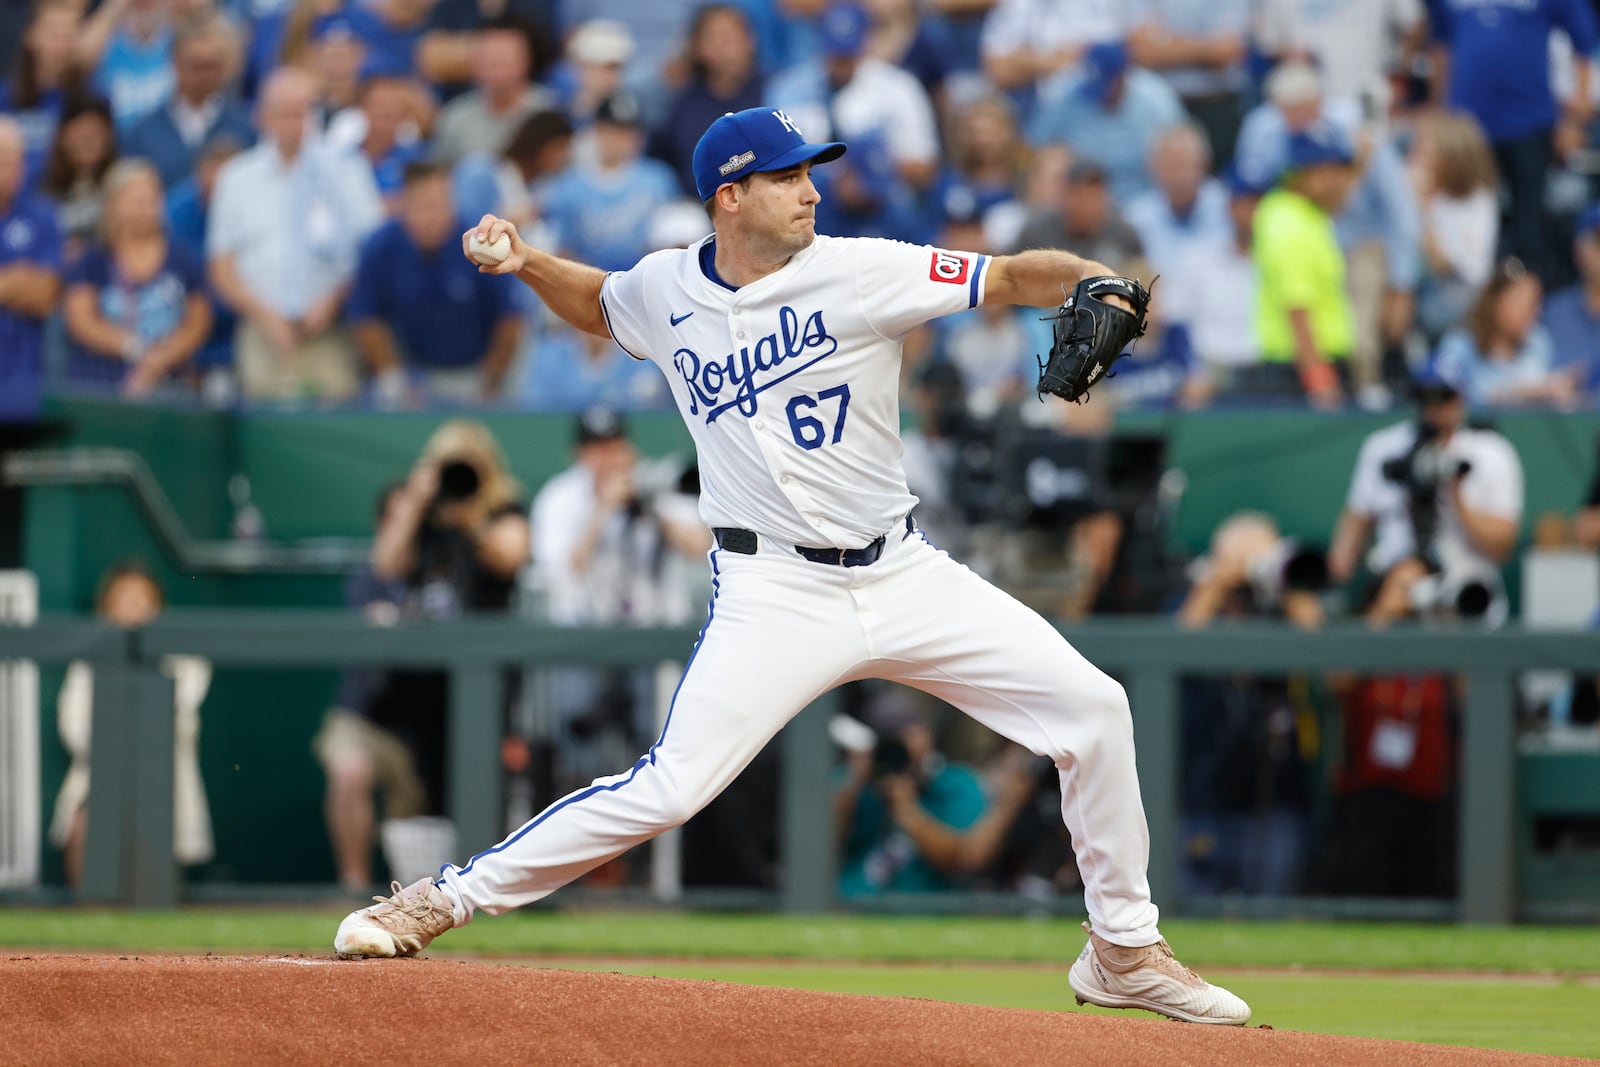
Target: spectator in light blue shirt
{"type": "Point", "coordinates": [286, 227]}
{"type": "Point", "coordinates": [130, 46]}
{"type": "Point", "coordinates": [1111, 113]}
{"type": "Point", "coordinates": [1572, 316]}
{"type": "Point", "coordinates": [1502, 355]}
{"type": "Point", "coordinates": [601, 210]}
{"type": "Point", "coordinates": [1185, 209]}
{"type": "Point", "coordinates": [572, 371]}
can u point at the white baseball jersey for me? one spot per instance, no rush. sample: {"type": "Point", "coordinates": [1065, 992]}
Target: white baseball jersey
{"type": "Point", "coordinates": [1492, 486]}
{"type": "Point", "coordinates": [790, 385]}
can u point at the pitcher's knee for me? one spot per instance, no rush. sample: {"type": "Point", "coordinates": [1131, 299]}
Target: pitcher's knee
{"type": "Point", "coordinates": [1109, 701]}
{"type": "Point", "coordinates": [1099, 715]}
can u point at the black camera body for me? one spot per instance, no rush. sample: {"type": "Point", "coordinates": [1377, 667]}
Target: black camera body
{"type": "Point", "coordinates": [1423, 468]}
{"type": "Point", "coordinates": [458, 481]}
{"type": "Point", "coordinates": [890, 756]}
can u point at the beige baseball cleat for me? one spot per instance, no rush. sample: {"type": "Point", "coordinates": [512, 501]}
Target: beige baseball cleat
{"type": "Point", "coordinates": [1150, 978]}
{"type": "Point", "coordinates": [397, 925]}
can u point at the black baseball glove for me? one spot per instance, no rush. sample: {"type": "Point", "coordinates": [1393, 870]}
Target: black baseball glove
{"type": "Point", "coordinates": [1091, 335]}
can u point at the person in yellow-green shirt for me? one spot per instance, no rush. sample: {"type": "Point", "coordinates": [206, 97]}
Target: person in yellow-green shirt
{"type": "Point", "coordinates": [1303, 319]}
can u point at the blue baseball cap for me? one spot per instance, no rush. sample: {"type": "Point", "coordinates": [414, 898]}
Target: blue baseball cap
{"type": "Point", "coordinates": [1588, 219]}
{"type": "Point", "coordinates": [1434, 379]}
{"type": "Point", "coordinates": [844, 29]}
{"type": "Point", "coordinates": [1247, 179]}
{"type": "Point", "coordinates": [1318, 144]}
{"type": "Point", "coordinates": [753, 141]}
{"type": "Point", "coordinates": [1103, 64]}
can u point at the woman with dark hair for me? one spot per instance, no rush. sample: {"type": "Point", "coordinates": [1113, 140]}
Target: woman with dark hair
{"type": "Point", "coordinates": [136, 309]}
{"type": "Point", "coordinates": [84, 149]}
{"type": "Point", "coordinates": [46, 77]}
{"type": "Point", "coordinates": [724, 76]}
{"type": "Point", "coordinates": [1502, 355]}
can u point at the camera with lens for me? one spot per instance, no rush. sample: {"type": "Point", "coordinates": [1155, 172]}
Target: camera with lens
{"type": "Point", "coordinates": [1287, 567]}
{"type": "Point", "coordinates": [458, 480]}
{"type": "Point", "coordinates": [663, 476]}
{"type": "Point", "coordinates": [890, 756]}
{"type": "Point", "coordinates": [1423, 468]}
{"type": "Point", "coordinates": [1443, 596]}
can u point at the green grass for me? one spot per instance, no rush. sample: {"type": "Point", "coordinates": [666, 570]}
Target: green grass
{"type": "Point", "coordinates": [1552, 1017]}
{"type": "Point", "coordinates": [964, 959]}
{"type": "Point", "coordinates": [1366, 946]}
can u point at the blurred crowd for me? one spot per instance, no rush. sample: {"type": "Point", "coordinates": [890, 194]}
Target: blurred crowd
{"type": "Point", "coordinates": [259, 200]}
{"type": "Point", "coordinates": [1348, 203]}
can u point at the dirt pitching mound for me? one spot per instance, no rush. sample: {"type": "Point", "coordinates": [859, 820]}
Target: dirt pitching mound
{"type": "Point", "coordinates": [303, 1010]}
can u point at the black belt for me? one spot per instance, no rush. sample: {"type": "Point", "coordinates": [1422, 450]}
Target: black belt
{"type": "Point", "coordinates": [743, 542]}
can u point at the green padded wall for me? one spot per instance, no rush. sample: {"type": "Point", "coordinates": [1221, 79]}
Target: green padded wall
{"type": "Point", "coordinates": [317, 475]}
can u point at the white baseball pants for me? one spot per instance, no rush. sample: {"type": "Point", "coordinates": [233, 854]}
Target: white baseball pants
{"type": "Point", "coordinates": [782, 630]}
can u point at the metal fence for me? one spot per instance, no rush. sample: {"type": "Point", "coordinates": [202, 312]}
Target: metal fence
{"type": "Point", "coordinates": [130, 817]}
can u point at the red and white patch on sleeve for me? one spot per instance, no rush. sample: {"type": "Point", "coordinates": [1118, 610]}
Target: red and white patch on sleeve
{"type": "Point", "coordinates": [949, 267]}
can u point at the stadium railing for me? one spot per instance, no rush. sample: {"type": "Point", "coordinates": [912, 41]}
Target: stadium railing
{"type": "Point", "coordinates": [132, 749]}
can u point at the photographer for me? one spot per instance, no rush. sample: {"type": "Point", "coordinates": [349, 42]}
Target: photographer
{"type": "Point", "coordinates": [609, 533]}
{"type": "Point", "coordinates": [456, 535]}
{"type": "Point", "coordinates": [909, 820]}
{"type": "Point", "coordinates": [1445, 503]}
{"type": "Point", "coordinates": [1249, 744]}
{"type": "Point", "coordinates": [453, 539]}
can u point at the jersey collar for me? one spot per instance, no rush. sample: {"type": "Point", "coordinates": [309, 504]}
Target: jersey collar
{"type": "Point", "coordinates": [708, 264]}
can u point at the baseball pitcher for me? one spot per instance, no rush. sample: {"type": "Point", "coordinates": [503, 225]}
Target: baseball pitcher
{"type": "Point", "coordinates": [782, 349]}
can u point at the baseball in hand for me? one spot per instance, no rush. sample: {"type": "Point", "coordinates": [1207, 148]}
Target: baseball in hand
{"type": "Point", "coordinates": [488, 253]}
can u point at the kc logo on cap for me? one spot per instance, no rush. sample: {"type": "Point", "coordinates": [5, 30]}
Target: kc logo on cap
{"type": "Point", "coordinates": [754, 141]}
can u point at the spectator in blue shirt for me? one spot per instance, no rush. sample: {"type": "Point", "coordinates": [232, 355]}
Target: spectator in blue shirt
{"type": "Point", "coordinates": [602, 209]}
{"type": "Point", "coordinates": [1111, 113]}
{"type": "Point", "coordinates": [136, 310]}
{"type": "Point", "coordinates": [1494, 56]}
{"type": "Point", "coordinates": [188, 204]}
{"type": "Point", "coordinates": [46, 76]}
{"type": "Point", "coordinates": [199, 108]}
{"type": "Point", "coordinates": [30, 278]}
{"type": "Point", "coordinates": [723, 77]}
{"type": "Point", "coordinates": [1572, 316]}
{"type": "Point", "coordinates": [428, 324]}
{"type": "Point", "coordinates": [390, 31]}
